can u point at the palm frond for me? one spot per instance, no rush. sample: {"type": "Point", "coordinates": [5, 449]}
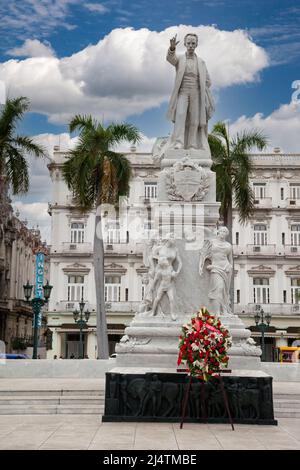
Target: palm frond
{"type": "Point", "coordinates": [220, 131]}
{"type": "Point", "coordinates": [121, 132]}
{"type": "Point", "coordinates": [12, 112]}
{"type": "Point", "coordinates": [246, 140]}
{"type": "Point", "coordinates": [123, 172]}
{"type": "Point", "coordinates": [233, 166]}
{"type": "Point", "coordinates": [217, 148]}
{"type": "Point", "coordinates": [29, 146]}
{"type": "Point", "coordinates": [81, 123]}
{"type": "Point", "coordinates": [16, 169]}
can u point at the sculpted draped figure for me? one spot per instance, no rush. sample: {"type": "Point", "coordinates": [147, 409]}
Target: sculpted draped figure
{"type": "Point", "coordinates": [164, 263]}
{"type": "Point", "coordinates": [191, 104]}
{"type": "Point", "coordinates": [219, 252]}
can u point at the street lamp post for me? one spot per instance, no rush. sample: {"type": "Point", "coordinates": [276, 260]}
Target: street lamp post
{"type": "Point", "coordinates": [36, 304]}
{"type": "Point", "coordinates": [260, 319]}
{"type": "Point", "coordinates": [82, 323]}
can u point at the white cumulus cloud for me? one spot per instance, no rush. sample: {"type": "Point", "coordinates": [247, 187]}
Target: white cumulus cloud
{"type": "Point", "coordinates": [33, 207]}
{"type": "Point", "coordinates": [282, 127]}
{"type": "Point", "coordinates": [126, 73]}
{"type": "Point", "coordinates": [32, 48]}
{"type": "Point", "coordinates": [36, 215]}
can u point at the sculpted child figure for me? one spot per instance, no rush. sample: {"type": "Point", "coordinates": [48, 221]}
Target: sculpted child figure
{"type": "Point", "coordinates": [164, 277]}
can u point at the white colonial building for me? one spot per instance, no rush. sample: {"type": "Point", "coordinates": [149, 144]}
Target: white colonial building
{"type": "Point", "coordinates": [267, 249]}
{"type": "Point", "coordinates": [267, 255]}
{"type": "Point", "coordinates": [72, 274]}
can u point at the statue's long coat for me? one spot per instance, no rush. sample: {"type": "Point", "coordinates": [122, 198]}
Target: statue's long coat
{"type": "Point", "coordinates": [206, 101]}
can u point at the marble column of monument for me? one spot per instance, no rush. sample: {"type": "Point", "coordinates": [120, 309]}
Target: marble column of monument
{"type": "Point", "coordinates": [189, 262]}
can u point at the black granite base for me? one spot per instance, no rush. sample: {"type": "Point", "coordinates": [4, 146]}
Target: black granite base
{"type": "Point", "coordinates": [158, 398]}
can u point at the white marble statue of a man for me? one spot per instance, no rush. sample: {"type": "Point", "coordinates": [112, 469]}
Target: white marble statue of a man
{"type": "Point", "coordinates": [191, 104]}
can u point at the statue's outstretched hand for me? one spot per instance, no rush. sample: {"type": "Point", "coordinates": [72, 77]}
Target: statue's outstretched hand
{"type": "Point", "coordinates": [173, 43]}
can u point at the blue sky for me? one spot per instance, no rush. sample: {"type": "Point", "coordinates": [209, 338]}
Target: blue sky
{"type": "Point", "coordinates": [57, 50]}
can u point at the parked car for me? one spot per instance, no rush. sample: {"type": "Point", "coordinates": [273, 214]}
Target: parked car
{"type": "Point", "coordinates": [14, 356]}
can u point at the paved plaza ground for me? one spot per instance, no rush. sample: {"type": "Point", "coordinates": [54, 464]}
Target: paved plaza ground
{"type": "Point", "coordinates": [71, 432]}
{"type": "Point", "coordinates": [87, 432]}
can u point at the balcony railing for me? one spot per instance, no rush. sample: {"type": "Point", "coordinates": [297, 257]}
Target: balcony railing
{"type": "Point", "coordinates": [70, 199]}
{"type": "Point", "coordinates": [272, 308]}
{"type": "Point", "coordinates": [70, 305]}
{"type": "Point", "coordinates": [292, 250]}
{"type": "Point", "coordinates": [260, 249]}
{"type": "Point", "coordinates": [147, 200]}
{"type": "Point", "coordinates": [292, 203]}
{"type": "Point", "coordinates": [68, 247]}
{"type": "Point", "coordinates": [122, 307]}
{"type": "Point", "coordinates": [123, 248]}
{"type": "Point", "coordinates": [264, 203]}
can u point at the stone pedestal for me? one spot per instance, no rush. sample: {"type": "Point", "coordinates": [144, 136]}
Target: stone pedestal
{"type": "Point", "coordinates": [145, 395]}
{"type": "Point", "coordinates": [152, 342]}
{"type": "Point", "coordinates": [187, 208]}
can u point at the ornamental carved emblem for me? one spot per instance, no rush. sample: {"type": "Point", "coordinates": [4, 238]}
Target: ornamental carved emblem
{"type": "Point", "coordinates": [187, 181]}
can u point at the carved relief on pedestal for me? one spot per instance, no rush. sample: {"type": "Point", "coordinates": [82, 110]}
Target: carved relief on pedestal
{"type": "Point", "coordinates": [186, 181]}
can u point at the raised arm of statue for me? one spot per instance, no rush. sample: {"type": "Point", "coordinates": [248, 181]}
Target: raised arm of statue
{"type": "Point", "coordinates": [171, 55]}
{"type": "Point", "coordinates": [205, 253]}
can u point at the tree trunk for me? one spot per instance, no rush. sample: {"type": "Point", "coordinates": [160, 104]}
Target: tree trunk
{"type": "Point", "coordinates": [228, 223]}
{"type": "Point", "coordinates": [102, 339]}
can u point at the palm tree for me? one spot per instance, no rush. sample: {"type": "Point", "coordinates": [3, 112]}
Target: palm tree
{"type": "Point", "coordinates": [233, 167]}
{"type": "Point", "coordinates": [98, 175]}
{"type": "Point", "coordinates": [15, 148]}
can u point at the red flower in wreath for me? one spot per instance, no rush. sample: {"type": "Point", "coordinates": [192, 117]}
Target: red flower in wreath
{"type": "Point", "coordinates": [203, 345]}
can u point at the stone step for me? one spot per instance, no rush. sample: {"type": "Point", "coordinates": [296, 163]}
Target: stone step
{"type": "Point", "coordinates": [286, 396]}
{"type": "Point", "coordinates": [287, 404]}
{"type": "Point", "coordinates": [54, 393]}
{"type": "Point", "coordinates": [51, 409]}
{"type": "Point", "coordinates": [286, 413]}
{"type": "Point", "coordinates": [51, 400]}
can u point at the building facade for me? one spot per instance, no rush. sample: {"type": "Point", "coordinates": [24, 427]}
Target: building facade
{"type": "Point", "coordinates": [267, 250]}
{"type": "Point", "coordinates": [266, 255]}
{"type": "Point", "coordinates": [18, 245]}
{"type": "Point", "coordinates": [71, 260]}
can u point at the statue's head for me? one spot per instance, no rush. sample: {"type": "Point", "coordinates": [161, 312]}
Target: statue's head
{"type": "Point", "coordinates": [191, 41]}
{"type": "Point", "coordinates": [222, 233]}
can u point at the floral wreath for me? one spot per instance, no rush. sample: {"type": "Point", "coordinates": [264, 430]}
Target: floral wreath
{"type": "Point", "coordinates": [203, 345]}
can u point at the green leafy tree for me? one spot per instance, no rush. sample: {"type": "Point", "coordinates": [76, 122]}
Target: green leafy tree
{"type": "Point", "coordinates": [98, 175]}
{"type": "Point", "coordinates": [15, 148]}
